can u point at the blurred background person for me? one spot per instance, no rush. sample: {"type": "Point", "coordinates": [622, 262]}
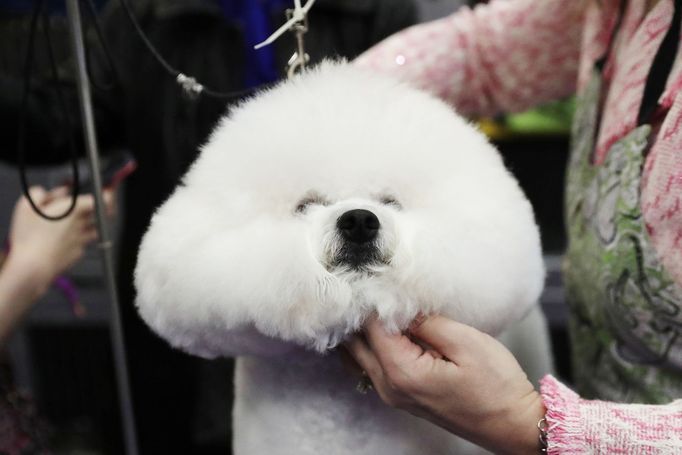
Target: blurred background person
{"type": "Point", "coordinates": [38, 252]}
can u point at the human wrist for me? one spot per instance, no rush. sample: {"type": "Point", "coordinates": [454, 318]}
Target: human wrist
{"type": "Point", "coordinates": [28, 274]}
{"type": "Point", "coordinates": [521, 435]}
{"type": "Point", "coordinates": [20, 287]}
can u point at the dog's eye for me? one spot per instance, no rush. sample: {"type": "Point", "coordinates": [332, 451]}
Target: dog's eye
{"type": "Point", "coordinates": [390, 200]}
{"type": "Point", "coordinates": [309, 200]}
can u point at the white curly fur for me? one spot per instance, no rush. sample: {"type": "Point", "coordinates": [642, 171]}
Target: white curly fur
{"type": "Point", "coordinates": [228, 267]}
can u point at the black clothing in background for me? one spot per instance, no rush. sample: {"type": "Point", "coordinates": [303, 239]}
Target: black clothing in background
{"type": "Point", "coordinates": [48, 132]}
{"type": "Point", "coordinates": [148, 115]}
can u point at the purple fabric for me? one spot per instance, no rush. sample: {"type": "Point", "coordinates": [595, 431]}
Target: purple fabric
{"type": "Point", "coordinates": [70, 291]}
{"type": "Point", "coordinates": [64, 284]}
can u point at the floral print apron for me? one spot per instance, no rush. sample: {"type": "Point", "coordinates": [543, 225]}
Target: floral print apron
{"type": "Point", "coordinates": [626, 311]}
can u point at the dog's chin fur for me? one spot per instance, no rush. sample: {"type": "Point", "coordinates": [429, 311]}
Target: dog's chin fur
{"type": "Point", "coordinates": [229, 250]}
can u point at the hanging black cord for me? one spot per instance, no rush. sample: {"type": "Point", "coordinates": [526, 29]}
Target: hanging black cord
{"type": "Point", "coordinates": [21, 146]}
{"type": "Point", "coordinates": [189, 84]}
{"type": "Point", "coordinates": [106, 86]}
{"type": "Point", "coordinates": [661, 67]}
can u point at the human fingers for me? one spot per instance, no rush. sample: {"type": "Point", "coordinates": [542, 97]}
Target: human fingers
{"type": "Point", "coordinates": [109, 197]}
{"type": "Point", "coordinates": [394, 351]}
{"type": "Point", "coordinates": [407, 368]}
{"type": "Point", "coordinates": [408, 373]}
{"type": "Point", "coordinates": [85, 206]}
{"type": "Point", "coordinates": [370, 366]}
{"type": "Point", "coordinates": [59, 192]}
{"type": "Point", "coordinates": [60, 199]}
{"type": "Point", "coordinates": [359, 350]}
{"type": "Point", "coordinates": [38, 195]}
{"type": "Point", "coordinates": [450, 338]}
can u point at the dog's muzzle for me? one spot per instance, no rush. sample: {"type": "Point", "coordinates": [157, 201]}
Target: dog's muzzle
{"type": "Point", "coordinates": [359, 230]}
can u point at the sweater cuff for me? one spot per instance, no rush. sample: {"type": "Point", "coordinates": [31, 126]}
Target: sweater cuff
{"type": "Point", "coordinates": [564, 423]}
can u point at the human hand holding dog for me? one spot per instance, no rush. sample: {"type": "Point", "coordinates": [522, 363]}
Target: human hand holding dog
{"type": "Point", "coordinates": [466, 382]}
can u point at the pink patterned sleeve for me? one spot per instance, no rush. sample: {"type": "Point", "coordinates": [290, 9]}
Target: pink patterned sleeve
{"type": "Point", "coordinates": [577, 426]}
{"type": "Point", "coordinates": [506, 56]}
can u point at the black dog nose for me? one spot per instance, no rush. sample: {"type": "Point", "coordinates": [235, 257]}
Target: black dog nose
{"type": "Point", "coordinates": [358, 226]}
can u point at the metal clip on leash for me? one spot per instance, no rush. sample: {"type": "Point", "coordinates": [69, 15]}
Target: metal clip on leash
{"type": "Point", "coordinates": [190, 87]}
{"type": "Point", "coordinates": [298, 23]}
{"type": "Point", "coordinates": [300, 58]}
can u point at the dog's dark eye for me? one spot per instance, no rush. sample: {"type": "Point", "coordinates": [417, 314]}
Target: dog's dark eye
{"type": "Point", "coordinates": [390, 200]}
{"type": "Point", "coordinates": [309, 200]}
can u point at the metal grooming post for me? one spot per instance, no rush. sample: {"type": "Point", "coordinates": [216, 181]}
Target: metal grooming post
{"type": "Point", "coordinates": [116, 327]}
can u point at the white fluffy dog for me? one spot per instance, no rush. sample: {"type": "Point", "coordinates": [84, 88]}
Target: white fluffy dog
{"type": "Point", "coordinates": [329, 198]}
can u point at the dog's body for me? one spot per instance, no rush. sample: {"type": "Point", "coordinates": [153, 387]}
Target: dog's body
{"type": "Point", "coordinates": [332, 197]}
{"type": "Point", "coordinates": [303, 404]}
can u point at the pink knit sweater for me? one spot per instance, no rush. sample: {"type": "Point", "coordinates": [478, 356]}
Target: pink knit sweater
{"type": "Point", "coordinates": [578, 426]}
{"type": "Point", "coordinates": [512, 54]}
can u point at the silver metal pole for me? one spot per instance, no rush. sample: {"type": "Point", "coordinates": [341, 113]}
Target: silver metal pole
{"type": "Point", "coordinates": [116, 327]}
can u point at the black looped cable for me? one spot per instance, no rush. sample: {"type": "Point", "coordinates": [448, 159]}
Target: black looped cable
{"type": "Point", "coordinates": [191, 87]}
{"type": "Point", "coordinates": [21, 146]}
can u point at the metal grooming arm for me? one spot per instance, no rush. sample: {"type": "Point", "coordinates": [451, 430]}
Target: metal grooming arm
{"type": "Point", "coordinates": [116, 327]}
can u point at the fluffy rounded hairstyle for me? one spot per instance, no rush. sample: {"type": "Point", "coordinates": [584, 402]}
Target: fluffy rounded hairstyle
{"type": "Point", "coordinates": [248, 239]}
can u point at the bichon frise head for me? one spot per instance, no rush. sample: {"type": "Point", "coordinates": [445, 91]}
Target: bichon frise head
{"type": "Point", "coordinates": [331, 197]}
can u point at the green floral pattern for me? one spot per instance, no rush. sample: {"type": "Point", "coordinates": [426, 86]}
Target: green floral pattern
{"type": "Point", "coordinates": [626, 322]}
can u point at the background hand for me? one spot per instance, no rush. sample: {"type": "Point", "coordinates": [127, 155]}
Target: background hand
{"type": "Point", "coordinates": [458, 378]}
{"type": "Point", "coordinates": [47, 248]}
{"type": "Point", "coordinates": [40, 250]}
